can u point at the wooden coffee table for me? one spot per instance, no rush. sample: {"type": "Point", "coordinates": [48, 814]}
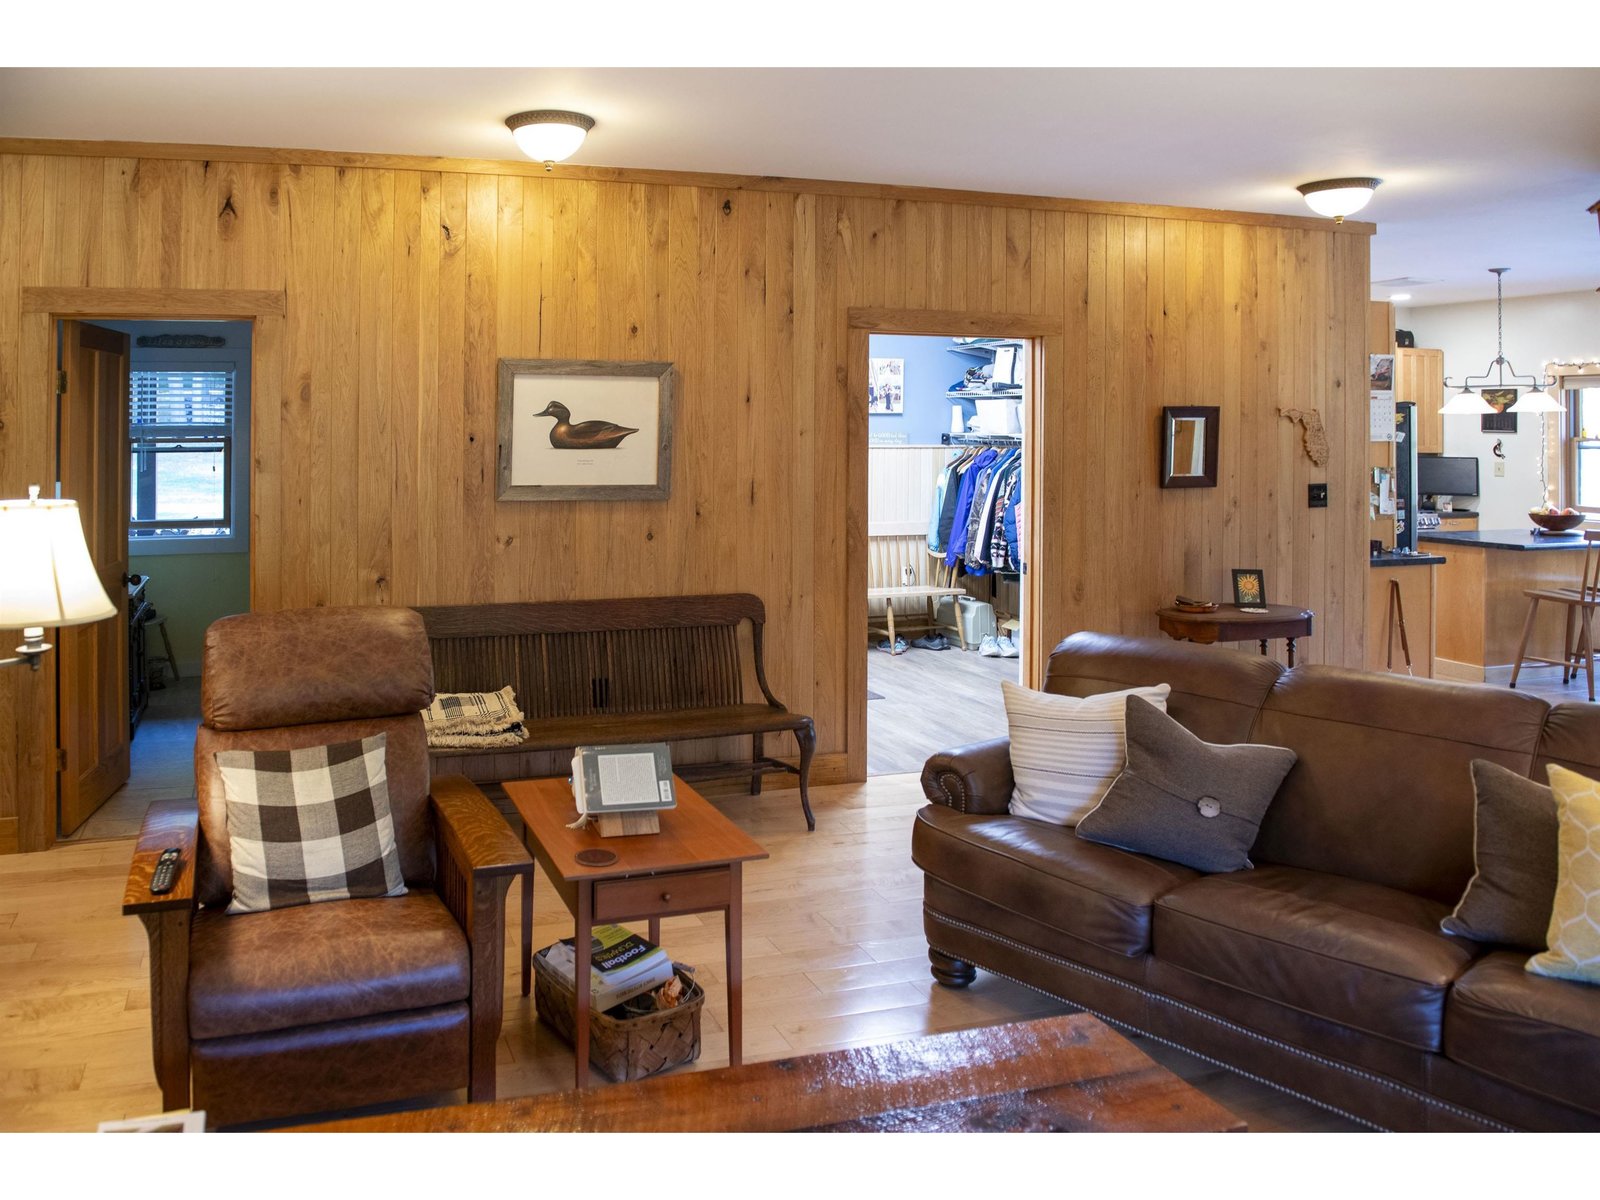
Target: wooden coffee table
{"type": "Point", "coordinates": [693, 865]}
{"type": "Point", "coordinates": [1058, 1074]}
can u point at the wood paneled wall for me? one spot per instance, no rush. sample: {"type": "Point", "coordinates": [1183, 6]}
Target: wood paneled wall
{"type": "Point", "coordinates": [373, 420]}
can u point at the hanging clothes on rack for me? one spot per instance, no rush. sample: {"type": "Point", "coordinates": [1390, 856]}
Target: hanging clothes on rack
{"type": "Point", "coordinates": [956, 545]}
{"type": "Point", "coordinates": [986, 495]}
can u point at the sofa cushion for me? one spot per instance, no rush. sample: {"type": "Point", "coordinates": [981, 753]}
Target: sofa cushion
{"type": "Point", "coordinates": [1356, 953]}
{"type": "Point", "coordinates": [1183, 799]}
{"type": "Point", "coordinates": [1066, 750]}
{"type": "Point", "coordinates": [309, 825]}
{"type": "Point", "coordinates": [1095, 893]}
{"type": "Point", "coordinates": [1535, 1033]}
{"type": "Point", "coordinates": [1574, 934]}
{"type": "Point", "coordinates": [323, 962]}
{"type": "Point", "coordinates": [1514, 846]}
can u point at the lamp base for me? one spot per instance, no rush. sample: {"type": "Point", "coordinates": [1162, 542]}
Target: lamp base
{"type": "Point", "coordinates": [33, 649]}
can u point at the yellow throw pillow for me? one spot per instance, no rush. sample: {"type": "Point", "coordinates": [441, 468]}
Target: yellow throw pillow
{"type": "Point", "coordinates": [1574, 936]}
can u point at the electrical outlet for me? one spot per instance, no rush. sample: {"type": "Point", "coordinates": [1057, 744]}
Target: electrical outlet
{"type": "Point", "coordinates": [1316, 495]}
{"type": "Point", "coordinates": [1499, 470]}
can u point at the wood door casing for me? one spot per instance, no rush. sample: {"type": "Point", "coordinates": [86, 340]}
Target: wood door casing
{"type": "Point", "coordinates": [92, 660]}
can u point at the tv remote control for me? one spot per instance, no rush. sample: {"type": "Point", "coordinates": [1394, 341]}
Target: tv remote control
{"type": "Point", "coordinates": [166, 869]}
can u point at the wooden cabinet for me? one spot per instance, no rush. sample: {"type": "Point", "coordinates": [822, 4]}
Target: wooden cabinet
{"type": "Point", "coordinates": [1419, 378]}
{"type": "Point", "coordinates": [1458, 524]}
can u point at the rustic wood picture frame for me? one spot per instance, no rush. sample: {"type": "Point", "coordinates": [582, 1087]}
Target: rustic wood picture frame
{"type": "Point", "coordinates": [1210, 416]}
{"type": "Point", "coordinates": [512, 369]}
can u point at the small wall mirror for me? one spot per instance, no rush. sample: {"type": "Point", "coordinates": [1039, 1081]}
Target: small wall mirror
{"type": "Point", "coordinates": [1189, 447]}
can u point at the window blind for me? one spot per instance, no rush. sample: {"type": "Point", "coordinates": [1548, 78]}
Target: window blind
{"type": "Point", "coordinates": [180, 400]}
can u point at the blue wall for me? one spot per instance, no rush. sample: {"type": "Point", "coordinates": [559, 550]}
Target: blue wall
{"type": "Point", "coordinates": [930, 369]}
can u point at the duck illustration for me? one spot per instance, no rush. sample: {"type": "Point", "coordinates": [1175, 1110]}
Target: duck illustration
{"type": "Point", "coordinates": [590, 435]}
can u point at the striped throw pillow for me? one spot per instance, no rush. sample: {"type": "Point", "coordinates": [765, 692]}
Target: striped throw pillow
{"type": "Point", "coordinates": [309, 825]}
{"type": "Point", "coordinates": [1065, 750]}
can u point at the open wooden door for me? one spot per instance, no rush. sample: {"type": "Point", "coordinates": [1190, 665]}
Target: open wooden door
{"type": "Point", "coordinates": [92, 660]}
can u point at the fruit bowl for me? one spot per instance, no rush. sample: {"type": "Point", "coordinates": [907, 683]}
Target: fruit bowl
{"type": "Point", "coordinates": [1554, 522]}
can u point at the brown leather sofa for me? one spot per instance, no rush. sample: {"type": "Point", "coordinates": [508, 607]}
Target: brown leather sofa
{"type": "Point", "coordinates": [1323, 970]}
{"type": "Point", "coordinates": [347, 1002]}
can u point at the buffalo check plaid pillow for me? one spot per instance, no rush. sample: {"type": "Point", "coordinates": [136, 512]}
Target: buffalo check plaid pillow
{"type": "Point", "coordinates": [310, 824]}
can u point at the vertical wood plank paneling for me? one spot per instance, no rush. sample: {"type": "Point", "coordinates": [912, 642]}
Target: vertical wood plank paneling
{"type": "Point", "coordinates": [373, 428]}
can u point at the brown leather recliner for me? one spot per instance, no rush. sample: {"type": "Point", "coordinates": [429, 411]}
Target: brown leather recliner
{"type": "Point", "coordinates": [342, 1003]}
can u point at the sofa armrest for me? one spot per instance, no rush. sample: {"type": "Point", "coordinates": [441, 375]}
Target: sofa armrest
{"type": "Point", "coordinates": [971, 779]}
{"type": "Point", "coordinates": [166, 823]}
{"type": "Point", "coordinates": [472, 831]}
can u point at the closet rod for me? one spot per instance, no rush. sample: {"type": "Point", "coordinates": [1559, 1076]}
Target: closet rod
{"type": "Point", "coordinates": [979, 439]}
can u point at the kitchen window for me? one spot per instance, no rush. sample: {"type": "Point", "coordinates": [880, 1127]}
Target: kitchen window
{"type": "Point", "coordinates": [1582, 444]}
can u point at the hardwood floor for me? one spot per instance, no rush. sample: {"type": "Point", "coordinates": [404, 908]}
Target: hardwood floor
{"type": "Point", "coordinates": [162, 761]}
{"type": "Point", "coordinates": [834, 956]}
{"type": "Point", "coordinates": [904, 728]}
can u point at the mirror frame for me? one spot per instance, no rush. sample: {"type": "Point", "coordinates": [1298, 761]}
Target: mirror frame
{"type": "Point", "coordinates": [1169, 414]}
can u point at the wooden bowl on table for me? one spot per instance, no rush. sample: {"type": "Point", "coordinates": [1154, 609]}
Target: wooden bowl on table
{"type": "Point", "coordinates": [1554, 522]}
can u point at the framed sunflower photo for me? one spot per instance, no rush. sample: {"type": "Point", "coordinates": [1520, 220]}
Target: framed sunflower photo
{"type": "Point", "coordinates": [1249, 588]}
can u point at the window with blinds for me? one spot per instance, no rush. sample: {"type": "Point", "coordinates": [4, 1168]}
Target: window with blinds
{"type": "Point", "coordinates": [180, 433]}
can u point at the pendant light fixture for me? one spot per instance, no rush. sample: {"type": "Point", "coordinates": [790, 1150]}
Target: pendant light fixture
{"type": "Point", "coordinates": [1338, 198]}
{"type": "Point", "coordinates": [549, 135]}
{"type": "Point", "coordinates": [1466, 402]}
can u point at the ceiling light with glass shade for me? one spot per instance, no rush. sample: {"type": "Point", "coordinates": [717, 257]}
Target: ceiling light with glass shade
{"type": "Point", "coordinates": [1339, 198]}
{"type": "Point", "coordinates": [549, 135]}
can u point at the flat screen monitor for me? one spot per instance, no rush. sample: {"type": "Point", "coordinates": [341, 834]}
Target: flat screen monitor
{"type": "Point", "coordinates": [1446, 475]}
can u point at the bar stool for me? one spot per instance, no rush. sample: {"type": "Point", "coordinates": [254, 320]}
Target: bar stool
{"type": "Point", "coordinates": [158, 620]}
{"type": "Point", "coordinates": [1578, 648]}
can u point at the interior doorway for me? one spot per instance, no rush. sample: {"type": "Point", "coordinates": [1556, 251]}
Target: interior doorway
{"type": "Point", "coordinates": [183, 521]}
{"type": "Point", "coordinates": [947, 547]}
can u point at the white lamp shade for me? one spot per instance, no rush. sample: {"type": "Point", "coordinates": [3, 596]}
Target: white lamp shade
{"type": "Point", "coordinates": [46, 574]}
{"type": "Point", "coordinates": [1536, 401]}
{"type": "Point", "coordinates": [1339, 202]}
{"type": "Point", "coordinates": [1466, 404]}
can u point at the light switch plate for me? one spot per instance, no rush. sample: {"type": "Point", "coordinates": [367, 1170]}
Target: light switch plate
{"type": "Point", "coordinates": [1316, 495]}
{"type": "Point", "coordinates": [1500, 470]}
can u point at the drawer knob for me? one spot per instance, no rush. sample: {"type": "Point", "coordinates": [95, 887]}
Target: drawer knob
{"type": "Point", "coordinates": [666, 896]}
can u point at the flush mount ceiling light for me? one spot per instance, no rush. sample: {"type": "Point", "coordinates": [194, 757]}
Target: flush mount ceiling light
{"type": "Point", "coordinates": [1338, 198]}
{"type": "Point", "coordinates": [1500, 374]}
{"type": "Point", "coordinates": [549, 135]}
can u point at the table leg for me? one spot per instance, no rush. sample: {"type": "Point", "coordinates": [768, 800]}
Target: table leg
{"type": "Point", "coordinates": [580, 973]}
{"type": "Point", "coordinates": [655, 930]}
{"type": "Point", "coordinates": [735, 964]}
{"type": "Point", "coordinates": [888, 612]}
{"type": "Point", "coordinates": [527, 931]}
{"type": "Point", "coordinates": [1291, 649]}
{"type": "Point", "coordinates": [1263, 647]}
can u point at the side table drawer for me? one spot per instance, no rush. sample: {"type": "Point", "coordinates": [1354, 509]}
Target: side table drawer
{"type": "Point", "coordinates": [659, 895]}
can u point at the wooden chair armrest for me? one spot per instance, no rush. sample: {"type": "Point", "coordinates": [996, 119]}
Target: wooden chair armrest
{"type": "Point", "coordinates": [166, 823]}
{"type": "Point", "coordinates": [472, 831]}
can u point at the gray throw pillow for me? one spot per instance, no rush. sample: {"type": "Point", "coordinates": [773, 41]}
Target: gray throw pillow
{"type": "Point", "coordinates": [1186, 800]}
{"type": "Point", "coordinates": [1515, 839]}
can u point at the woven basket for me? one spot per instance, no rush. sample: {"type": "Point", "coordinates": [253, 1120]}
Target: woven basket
{"type": "Point", "coordinates": [630, 1048]}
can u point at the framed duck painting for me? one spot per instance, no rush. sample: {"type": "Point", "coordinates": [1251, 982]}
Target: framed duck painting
{"type": "Point", "coordinates": [571, 429]}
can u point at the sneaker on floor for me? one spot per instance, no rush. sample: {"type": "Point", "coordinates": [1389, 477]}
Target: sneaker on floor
{"type": "Point", "coordinates": [932, 641]}
{"type": "Point", "coordinates": [990, 646]}
{"type": "Point", "coordinates": [1009, 648]}
{"type": "Point", "coordinates": [899, 646]}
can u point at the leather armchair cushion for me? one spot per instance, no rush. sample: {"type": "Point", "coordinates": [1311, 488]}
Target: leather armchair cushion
{"type": "Point", "coordinates": [1536, 1033]}
{"type": "Point", "coordinates": [1045, 872]}
{"type": "Point", "coordinates": [1359, 954]}
{"type": "Point", "coordinates": [323, 962]}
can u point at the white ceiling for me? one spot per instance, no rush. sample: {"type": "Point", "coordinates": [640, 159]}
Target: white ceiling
{"type": "Point", "coordinates": [1481, 168]}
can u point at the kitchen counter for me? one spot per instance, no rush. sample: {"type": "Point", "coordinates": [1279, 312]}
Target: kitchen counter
{"type": "Point", "coordinates": [1481, 603]}
{"type": "Point", "coordinates": [1507, 539]}
{"type": "Point", "coordinates": [1390, 559]}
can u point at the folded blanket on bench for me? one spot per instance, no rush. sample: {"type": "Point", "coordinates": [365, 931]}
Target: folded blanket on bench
{"type": "Point", "coordinates": [467, 719]}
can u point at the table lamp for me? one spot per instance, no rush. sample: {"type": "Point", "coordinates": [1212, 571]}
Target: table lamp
{"type": "Point", "coordinates": [46, 574]}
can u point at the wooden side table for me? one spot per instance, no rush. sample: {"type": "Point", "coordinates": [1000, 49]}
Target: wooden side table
{"type": "Point", "coordinates": [693, 865]}
{"type": "Point", "coordinates": [1231, 624]}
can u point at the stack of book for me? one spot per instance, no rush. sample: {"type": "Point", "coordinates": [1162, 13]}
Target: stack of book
{"type": "Point", "coordinates": [622, 965]}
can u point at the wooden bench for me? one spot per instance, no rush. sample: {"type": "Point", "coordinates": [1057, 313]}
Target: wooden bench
{"type": "Point", "coordinates": [603, 672]}
{"type": "Point", "coordinates": [901, 569]}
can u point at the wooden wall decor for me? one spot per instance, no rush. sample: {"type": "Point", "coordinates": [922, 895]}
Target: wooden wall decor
{"type": "Point", "coordinates": [1313, 434]}
{"type": "Point", "coordinates": [397, 285]}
